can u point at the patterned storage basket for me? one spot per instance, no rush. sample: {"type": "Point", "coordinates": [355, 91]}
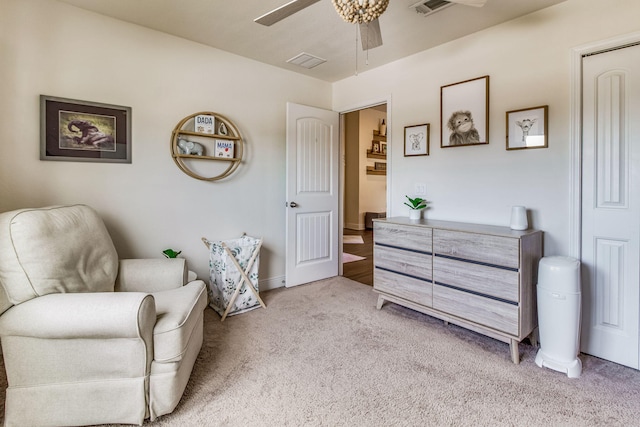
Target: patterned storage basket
{"type": "Point", "coordinates": [224, 275]}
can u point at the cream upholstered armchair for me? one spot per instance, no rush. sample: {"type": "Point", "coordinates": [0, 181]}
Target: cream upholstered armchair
{"type": "Point", "coordinates": [86, 338]}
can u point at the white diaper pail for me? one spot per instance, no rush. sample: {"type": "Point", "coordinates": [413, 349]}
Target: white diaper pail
{"type": "Point", "coordinates": [559, 315]}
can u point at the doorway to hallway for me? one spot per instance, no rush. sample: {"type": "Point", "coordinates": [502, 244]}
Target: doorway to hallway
{"type": "Point", "coordinates": [365, 187]}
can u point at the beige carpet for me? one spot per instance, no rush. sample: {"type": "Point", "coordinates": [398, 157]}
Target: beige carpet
{"type": "Point", "coordinates": [322, 355]}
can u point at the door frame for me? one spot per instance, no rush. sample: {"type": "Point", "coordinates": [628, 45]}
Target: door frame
{"type": "Point", "coordinates": [342, 111]}
{"type": "Point", "coordinates": [575, 132]}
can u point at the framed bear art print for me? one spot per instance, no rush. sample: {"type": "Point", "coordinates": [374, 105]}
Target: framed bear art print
{"type": "Point", "coordinates": [464, 113]}
{"type": "Point", "coordinates": [416, 140]}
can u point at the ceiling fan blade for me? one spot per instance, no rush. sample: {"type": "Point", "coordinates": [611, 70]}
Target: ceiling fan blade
{"type": "Point", "coordinates": [475, 3]}
{"type": "Point", "coordinates": [283, 11]}
{"type": "Point", "coordinates": [370, 35]}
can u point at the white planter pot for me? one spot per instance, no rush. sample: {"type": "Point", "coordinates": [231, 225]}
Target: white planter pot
{"type": "Point", "coordinates": [415, 214]}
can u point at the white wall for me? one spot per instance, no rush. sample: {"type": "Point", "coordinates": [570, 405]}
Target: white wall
{"type": "Point", "coordinates": [528, 61]}
{"type": "Point", "coordinates": [55, 49]}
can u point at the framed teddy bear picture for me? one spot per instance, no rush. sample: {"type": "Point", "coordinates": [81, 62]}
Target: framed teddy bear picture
{"type": "Point", "coordinates": [464, 113]}
{"type": "Point", "coordinates": [416, 140]}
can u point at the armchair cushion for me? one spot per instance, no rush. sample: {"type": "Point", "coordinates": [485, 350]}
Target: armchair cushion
{"type": "Point", "coordinates": [178, 311]}
{"type": "Point", "coordinates": [32, 242]}
{"type": "Point", "coordinates": [151, 275]}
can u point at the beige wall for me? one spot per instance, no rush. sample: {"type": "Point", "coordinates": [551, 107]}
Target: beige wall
{"type": "Point", "coordinates": [529, 64]}
{"type": "Point", "coordinates": [351, 201]}
{"type": "Point", "coordinates": [373, 188]}
{"type": "Point", "coordinates": [55, 49]}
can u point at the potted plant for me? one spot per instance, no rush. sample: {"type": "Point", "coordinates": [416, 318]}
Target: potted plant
{"type": "Point", "coordinates": [170, 253]}
{"type": "Point", "coordinates": [416, 205]}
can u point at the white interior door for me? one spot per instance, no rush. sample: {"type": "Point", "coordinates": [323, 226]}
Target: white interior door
{"type": "Point", "coordinates": [611, 205]}
{"type": "Point", "coordinates": [312, 194]}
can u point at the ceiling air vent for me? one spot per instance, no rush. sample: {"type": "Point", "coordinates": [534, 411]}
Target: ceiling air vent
{"type": "Point", "coordinates": [430, 6]}
{"type": "Point", "coordinates": [306, 60]}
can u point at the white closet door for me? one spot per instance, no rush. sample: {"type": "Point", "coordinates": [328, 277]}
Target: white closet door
{"type": "Point", "coordinates": [611, 205]}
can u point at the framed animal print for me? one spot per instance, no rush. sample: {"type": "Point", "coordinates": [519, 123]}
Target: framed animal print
{"type": "Point", "coordinates": [527, 128]}
{"type": "Point", "coordinates": [84, 131]}
{"type": "Point", "coordinates": [416, 140]}
{"type": "Point", "coordinates": [464, 113]}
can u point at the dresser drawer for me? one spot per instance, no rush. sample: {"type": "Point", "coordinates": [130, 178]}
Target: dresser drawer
{"type": "Point", "coordinates": [496, 250]}
{"type": "Point", "coordinates": [407, 262]}
{"type": "Point", "coordinates": [403, 236]}
{"type": "Point", "coordinates": [496, 282]}
{"type": "Point", "coordinates": [494, 314]}
{"type": "Point", "coordinates": [411, 289]}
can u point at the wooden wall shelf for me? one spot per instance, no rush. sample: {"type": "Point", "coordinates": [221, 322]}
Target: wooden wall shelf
{"type": "Point", "coordinates": [380, 142]}
{"type": "Point", "coordinates": [376, 155]}
{"type": "Point", "coordinates": [378, 137]}
{"type": "Point", "coordinates": [186, 128]}
{"type": "Point", "coordinates": [372, 171]}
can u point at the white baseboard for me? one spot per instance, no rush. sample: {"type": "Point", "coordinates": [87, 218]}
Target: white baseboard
{"type": "Point", "coordinates": [354, 226]}
{"type": "Point", "coordinates": [272, 283]}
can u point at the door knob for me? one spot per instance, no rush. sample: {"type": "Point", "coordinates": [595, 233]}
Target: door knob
{"type": "Point", "coordinates": [293, 205]}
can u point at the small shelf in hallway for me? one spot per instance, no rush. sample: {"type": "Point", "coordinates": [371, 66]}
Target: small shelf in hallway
{"type": "Point", "coordinates": [360, 271]}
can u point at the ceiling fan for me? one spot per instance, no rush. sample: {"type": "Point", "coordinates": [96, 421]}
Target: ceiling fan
{"type": "Point", "coordinates": [370, 34]}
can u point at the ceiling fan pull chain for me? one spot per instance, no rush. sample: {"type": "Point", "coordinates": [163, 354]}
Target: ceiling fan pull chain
{"type": "Point", "coordinates": [356, 50]}
{"type": "Point", "coordinates": [367, 53]}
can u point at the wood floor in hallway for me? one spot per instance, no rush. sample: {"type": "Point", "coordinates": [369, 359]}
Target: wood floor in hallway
{"type": "Point", "coordinates": [360, 271]}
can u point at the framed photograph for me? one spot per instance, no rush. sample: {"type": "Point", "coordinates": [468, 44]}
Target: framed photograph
{"type": "Point", "coordinates": [383, 148]}
{"type": "Point", "coordinates": [464, 113]}
{"type": "Point", "coordinates": [84, 131]}
{"type": "Point", "coordinates": [375, 147]}
{"type": "Point", "coordinates": [416, 140]}
{"type": "Point", "coordinates": [527, 128]}
{"type": "Point", "coordinates": [380, 166]}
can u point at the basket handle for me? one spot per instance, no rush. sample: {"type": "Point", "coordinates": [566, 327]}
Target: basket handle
{"type": "Point", "coordinates": [206, 242]}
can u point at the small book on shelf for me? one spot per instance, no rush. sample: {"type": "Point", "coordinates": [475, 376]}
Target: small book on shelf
{"type": "Point", "coordinates": [204, 124]}
{"type": "Point", "coordinates": [224, 148]}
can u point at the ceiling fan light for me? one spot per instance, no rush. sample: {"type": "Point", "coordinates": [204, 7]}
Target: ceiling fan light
{"type": "Point", "coordinates": [360, 11]}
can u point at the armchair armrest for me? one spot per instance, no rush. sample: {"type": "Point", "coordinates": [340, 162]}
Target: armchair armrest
{"type": "Point", "coordinates": [99, 315]}
{"type": "Point", "coordinates": [151, 275]}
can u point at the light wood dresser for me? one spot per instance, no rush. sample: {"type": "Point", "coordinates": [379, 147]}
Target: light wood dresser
{"type": "Point", "coordinates": [480, 277]}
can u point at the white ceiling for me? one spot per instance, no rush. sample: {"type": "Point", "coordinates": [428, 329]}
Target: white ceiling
{"type": "Point", "coordinates": [317, 30]}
